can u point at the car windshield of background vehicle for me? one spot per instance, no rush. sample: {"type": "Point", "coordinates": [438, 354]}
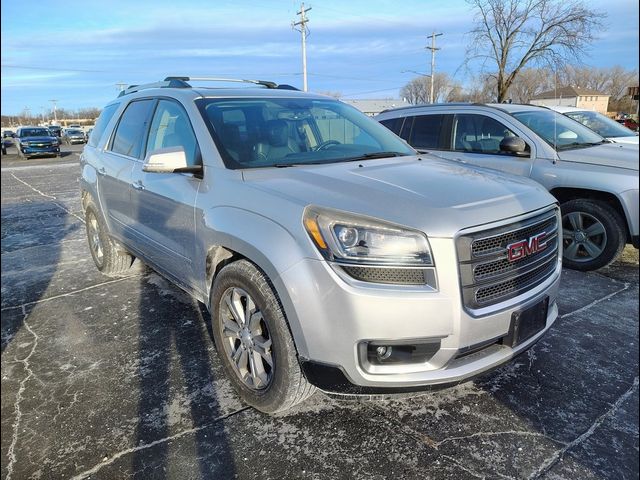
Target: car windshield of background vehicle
{"type": "Point", "coordinates": [561, 132]}
{"type": "Point", "coordinates": [281, 132]}
{"type": "Point", "coordinates": [600, 124]}
{"type": "Point", "coordinates": [35, 132]}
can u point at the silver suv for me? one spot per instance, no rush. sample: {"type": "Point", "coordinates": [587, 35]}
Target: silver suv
{"type": "Point", "coordinates": [328, 252]}
{"type": "Point", "coordinates": [595, 181]}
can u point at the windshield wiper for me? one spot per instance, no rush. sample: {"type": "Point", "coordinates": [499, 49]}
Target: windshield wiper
{"type": "Point", "coordinates": [579, 144]}
{"type": "Point", "coordinates": [372, 155]}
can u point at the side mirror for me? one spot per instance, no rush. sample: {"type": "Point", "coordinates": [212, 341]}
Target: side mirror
{"type": "Point", "coordinates": [513, 145]}
{"type": "Point", "coordinates": [168, 160]}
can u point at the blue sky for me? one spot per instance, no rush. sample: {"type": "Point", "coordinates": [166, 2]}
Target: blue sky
{"type": "Point", "coordinates": [76, 51]}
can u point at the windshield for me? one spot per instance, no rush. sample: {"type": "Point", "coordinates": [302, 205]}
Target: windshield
{"type": "Point", "coordinates": [561, 132]}
{"type": "Point", "coordinates": [600, 124]}
{"type": "Point", "coordinates": [281, 132]}
{"type": "Point", "coordinates": [74, 132]}
{"type": "Point", "coordinates": [35, 132]}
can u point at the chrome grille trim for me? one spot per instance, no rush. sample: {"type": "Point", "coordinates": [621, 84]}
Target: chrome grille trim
{"type": "Point", "coordinates": [487, 277]}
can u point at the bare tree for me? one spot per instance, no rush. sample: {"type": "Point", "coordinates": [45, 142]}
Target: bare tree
{"type": "Point", "coordinates": [512, 34]}
{"type": "Point", "coordinates": [418, 90]}
{"type": "Point", "coordinates": [529, 83]}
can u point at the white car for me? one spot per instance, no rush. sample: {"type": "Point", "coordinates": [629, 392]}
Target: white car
{"type": "Point", "coordinates": [602, 125]}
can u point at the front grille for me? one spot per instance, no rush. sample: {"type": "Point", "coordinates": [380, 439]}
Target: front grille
{"type": "Point", "coordinates": [488, 276]}
{"type": "Point", "coordinates": [496, 244]}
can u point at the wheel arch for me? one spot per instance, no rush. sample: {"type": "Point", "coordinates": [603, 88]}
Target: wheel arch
{"type": "Point", "coordinates": [564, 194]}
{"type": "Point", "coordinates": [242, 235]}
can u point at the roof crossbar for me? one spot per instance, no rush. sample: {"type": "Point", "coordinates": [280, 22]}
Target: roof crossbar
{"type": "Point", "coordinates": [170, 83]}
{"type": "Point", "coordinates": [264, 83]}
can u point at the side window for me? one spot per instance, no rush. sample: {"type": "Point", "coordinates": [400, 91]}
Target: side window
{"type": "Point", "coordinates": [130, 132]}
{"type": "Point", "coordinates": [101, 124]}
{"type": "Point", "coordinates": [393, 124]}
{"type": "Point", "coordinates": [406, 129]}
{"type": "Point", "coordinates": [478, 134]}
{"type": "Point", "coordinates": [171, 128]}
{"type": "Point", "coordinates": [427, 131]}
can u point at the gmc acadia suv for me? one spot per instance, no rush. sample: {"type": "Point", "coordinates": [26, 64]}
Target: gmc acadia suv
{"type": "Point", "coordinates": [595, 181]}
{"type": "Point", "coordinates": [329, 253]}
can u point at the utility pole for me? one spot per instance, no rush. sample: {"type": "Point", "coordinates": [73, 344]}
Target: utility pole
{"type": "Point", "coordinates": [55, 114]}
{"type": "Point", "coordinates": [303, 30]}
{"type": "Point", "coordinates": [121, 86]}
{"type": "Point", "coordinates": [433, 59]}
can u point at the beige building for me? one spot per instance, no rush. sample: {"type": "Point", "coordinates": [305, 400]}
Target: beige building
{"type": "Point", "coordinates": [573, 97]}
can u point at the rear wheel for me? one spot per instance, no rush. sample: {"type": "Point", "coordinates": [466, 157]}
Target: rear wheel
{"type": "Point", "coordinates": [253, 339]}
{"type": "Point", "coordinates": [593, 236]}
{"type": "Point", "coordinates": [109, 259]}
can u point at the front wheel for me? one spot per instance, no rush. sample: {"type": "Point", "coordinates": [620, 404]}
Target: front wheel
{"type": "Point", "coordinates": [253, 339]}
{"type": "Point", "coordinates": [593, 235]}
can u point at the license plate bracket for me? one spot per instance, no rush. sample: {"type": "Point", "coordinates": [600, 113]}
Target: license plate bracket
{"type": "Point", "coordinates": [526, 323]}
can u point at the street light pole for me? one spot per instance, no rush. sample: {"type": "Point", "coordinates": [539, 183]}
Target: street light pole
{"type": "Point", "coordinates": [55, 116]}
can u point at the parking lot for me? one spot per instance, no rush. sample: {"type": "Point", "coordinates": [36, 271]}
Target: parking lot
{"type": "Point", "coordinates": [118, 378]}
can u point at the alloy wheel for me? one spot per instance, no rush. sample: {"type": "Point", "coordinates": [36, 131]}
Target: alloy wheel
{"type": "Point", "coordinates": [246, 338]}
{"type": "Point", "coordinates": [584, 237]}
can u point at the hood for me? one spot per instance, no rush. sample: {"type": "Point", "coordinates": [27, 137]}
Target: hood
{"type": "Point", "coordinates": [436, 196]}
{"type": "Point", "coordinates": [632, 140]}
{"type": "Point", "coordinates": [618, 155]}
{"type": "Point", "coordinates": [38, 139]}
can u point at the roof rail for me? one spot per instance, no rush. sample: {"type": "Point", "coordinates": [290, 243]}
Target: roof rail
{"type": "Point", "coordinates": [181, 82]}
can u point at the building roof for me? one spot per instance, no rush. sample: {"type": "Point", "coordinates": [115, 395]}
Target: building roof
{"type": "Point", "coordinates": [568, 92]}
{"type": "Point", "coordinates": [376, 106]}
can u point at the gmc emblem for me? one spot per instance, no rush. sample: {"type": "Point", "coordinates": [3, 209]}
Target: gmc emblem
{"type": "Point", "coordinates": [524, 248]}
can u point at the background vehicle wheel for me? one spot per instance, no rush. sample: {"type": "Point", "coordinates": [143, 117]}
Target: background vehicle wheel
{"type": "Point", "coordinates": [593, 236]}
{"type": "Point", "coordinates": [253, 339]}
{"type": "Point", "coordinates": [108, 258]}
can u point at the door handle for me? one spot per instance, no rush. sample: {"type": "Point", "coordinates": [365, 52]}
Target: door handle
{"type": "Point", "coordinates": [138, 185]}
{"type": "Point", "coordinates": [102, 171]}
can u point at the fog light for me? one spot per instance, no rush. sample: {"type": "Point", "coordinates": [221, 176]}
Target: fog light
{"type": "Point", "coordinates": [384, 352]}
{"type": "Point", "coordinates": [381, 353]}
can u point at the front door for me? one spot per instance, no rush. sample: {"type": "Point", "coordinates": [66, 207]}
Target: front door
{"type": "Point", "coordinates": [163, 203]}
{"type": "Point", "coordinates": [475, 140]}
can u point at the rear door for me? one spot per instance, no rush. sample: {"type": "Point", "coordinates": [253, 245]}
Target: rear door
{"type": "Point", "coordinates": [163, 203]}
{"type": "Point", "coordinates": [114, 174]}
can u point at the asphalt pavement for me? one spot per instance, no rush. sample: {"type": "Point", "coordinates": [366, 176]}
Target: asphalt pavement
{"type": "Point", "coordinates": [118, 378]}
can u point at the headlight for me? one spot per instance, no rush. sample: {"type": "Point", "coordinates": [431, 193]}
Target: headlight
{"type": "Point", "coordinates": [348, 238]}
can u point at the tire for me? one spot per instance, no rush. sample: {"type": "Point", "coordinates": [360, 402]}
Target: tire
{"type": "Point", "coordinates": [268, 388]}
{"type": "Point", "coordinates": [109, 259]}
{"type": "Point", "coordinates": [594, 234]}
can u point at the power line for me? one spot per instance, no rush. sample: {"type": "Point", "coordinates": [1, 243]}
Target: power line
{"type": "Point", "coordinates": [303, 30]}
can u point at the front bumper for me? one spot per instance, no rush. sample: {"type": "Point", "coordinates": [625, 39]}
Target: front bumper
{"type": "Point", "coordinates": [33, 151]}
{"type": "Point", "coordinates": [338, 317]}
